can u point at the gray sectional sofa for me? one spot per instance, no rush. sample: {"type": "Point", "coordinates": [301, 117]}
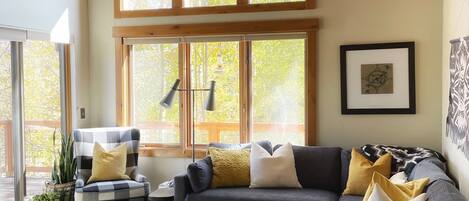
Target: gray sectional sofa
{"type": "Point", "coordinates": [323, 173]}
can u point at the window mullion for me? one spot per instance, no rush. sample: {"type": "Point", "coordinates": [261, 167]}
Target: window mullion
{"type": "Point", "coordinates": [177, 3]}
{"type": "Point", "coordinates": [187, 96]}
{"type": "Point", "coordinates": [242, 2]}
{"type": "Point", "coordinates": [244, 71]}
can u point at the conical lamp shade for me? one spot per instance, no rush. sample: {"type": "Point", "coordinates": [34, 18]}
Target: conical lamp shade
{"type": "Point", "coordinates": [210, 104]}
{"type": "Point", "coordinates": [168, 99]}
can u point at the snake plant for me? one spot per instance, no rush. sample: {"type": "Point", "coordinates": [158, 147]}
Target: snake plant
{"type": "Point", "coordinates": [65, 166]}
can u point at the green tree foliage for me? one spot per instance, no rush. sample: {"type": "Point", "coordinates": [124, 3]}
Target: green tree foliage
{"type": "Point", "coordinates": [277, 85]}
{"type": "Point", "coordinates": [155, 68]}
{"type": "Point", "coordinates": [41, 99]}
{"type": "Point", "coordinates": [278, 88]}
{"type": "Point", "coordinates": [217, 61]}
{"type": "Point", "coordinates": [5, 95]}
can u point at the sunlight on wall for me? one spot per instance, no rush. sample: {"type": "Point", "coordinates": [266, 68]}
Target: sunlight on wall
{"type": "Point", "coordinates": [61, 31]}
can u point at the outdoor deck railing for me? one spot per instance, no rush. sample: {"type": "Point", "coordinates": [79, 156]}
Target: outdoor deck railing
{"type": "Point", "coordinates": [6, 126]}
{"type": "Point", "coordinates": [213, 129]}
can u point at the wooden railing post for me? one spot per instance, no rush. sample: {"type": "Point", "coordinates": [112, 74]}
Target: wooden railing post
{"type": "Point", "coordinates": [8, 149]}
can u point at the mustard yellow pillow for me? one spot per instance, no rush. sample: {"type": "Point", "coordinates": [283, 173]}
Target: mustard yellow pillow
{"type": "Point", "coordinates": [397, 192]}
{"type": "Point", "coordinates": [230, 167]}
{"type": "Point", "coordinates": [361, 172]}
{"type": "Point", "coordinates": [108, 165]}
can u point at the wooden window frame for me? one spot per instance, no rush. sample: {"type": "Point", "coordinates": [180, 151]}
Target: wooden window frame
{"type": "Point", "coordinates": [123, 72]}
{"type": "Point", "coordinates": [240, 7]}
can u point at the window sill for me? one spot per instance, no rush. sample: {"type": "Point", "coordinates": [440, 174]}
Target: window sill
{"type": "Point", "coordinates": [170, 152]}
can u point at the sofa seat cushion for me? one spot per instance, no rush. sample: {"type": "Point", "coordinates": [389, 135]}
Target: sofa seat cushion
{"type": "Point", "coordinates": [247, 194]}
{"type": "Point", "coordinates": [111, 186]}
{"type": "Point", "coordinates": [351, 198]}
{"type": "Point", "coordinates": [117, 191]}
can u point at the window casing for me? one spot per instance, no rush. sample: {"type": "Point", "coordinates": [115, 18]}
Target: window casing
{"type": "Point", "coordinates": [241, 125]}
{"type": "Point", "coordinates": [152, 8]}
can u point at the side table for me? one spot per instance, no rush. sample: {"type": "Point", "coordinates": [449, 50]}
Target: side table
{"type": "Point", "coordinates": [165, 192]}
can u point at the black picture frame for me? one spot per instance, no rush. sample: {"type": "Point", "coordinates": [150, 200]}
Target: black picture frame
{"type": "Point", "coordinates": [411, 72]}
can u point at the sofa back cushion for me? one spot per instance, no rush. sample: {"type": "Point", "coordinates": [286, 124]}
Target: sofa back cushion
{"type": "Point", "coordinates": [318, 167]}
{"type": "Point", "coordinates": [200, 174]}
{"type": "Point", "coordinates": [264, 144]}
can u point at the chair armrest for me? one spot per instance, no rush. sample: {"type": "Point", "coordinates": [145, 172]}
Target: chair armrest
{"type": "Point", "coordinates": [140, 178]}
{"type": "Point", "coordinates": [182, 187]}
{"type": "Point", "coordinates": [79, 183]}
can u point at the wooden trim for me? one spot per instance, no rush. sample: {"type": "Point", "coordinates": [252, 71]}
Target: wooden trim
{"type": "Point", "coordinates": [117, 9]}
{"type": "Point", "coordinates": [184, 58]}
{"type": "Point", "coordinates": [171, 152]}
{"type": "Point", "coordinates": [247, 27]}
{"type": "Point", "coordinates": [177, 3]}
{"type": "Point", "coordinates": [242, 2]}
{"type": "Point", "coordinates": [244, 91]}
{"type": "Point", "coordinates": [122, 77]}
{"type": "Point", "coordinates": [310, 26]}
{"type": "Point", "coordinates": [68, 89]}
{"type": "Point", "coordinates": [243, 6]}
{"type": "Point", "coordinates": [310, 89]}
{"type": "Point", "coordinates": [188, 111]}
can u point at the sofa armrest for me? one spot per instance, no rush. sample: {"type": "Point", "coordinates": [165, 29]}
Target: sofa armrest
{"type": "Point", "coordinates": [140, 178]}
{"type": "Point", "coordinates": [79, 183]}
{"type": "Point", "coordinates": [182, 187]}
{"type": "Point", "coordinates": [442, 190]}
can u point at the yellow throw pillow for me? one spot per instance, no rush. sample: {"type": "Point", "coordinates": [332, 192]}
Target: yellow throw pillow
{"type": "Point", "coordinates": [397, 192]}
{"type": "Point", "coordinates": [230, 167]}
{"type": "Point", "coordinates": [361, 171]}
{"type": "Point", "coordinates": [108, 165]}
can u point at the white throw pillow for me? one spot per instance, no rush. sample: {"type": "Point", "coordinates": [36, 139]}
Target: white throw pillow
{"type": "Point", "coordinates": [378, 194]}
{"type": "Point", "coordinates": [421, 197]}
{"type": "Point", "coordinates": [399, 178]}
{"type": "Point", "coordinates": [273, 171]}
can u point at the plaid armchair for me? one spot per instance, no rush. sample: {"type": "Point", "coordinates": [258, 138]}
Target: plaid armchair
{"type": "Point", "coordinates": [135, 189]}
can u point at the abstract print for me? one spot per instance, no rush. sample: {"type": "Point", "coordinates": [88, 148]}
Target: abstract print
{"type": "Point", "coordinates": [457, 122]}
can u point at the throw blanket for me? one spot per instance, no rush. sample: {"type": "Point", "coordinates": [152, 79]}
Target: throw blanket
{"type": "Point", "coordinates": [404, 158]}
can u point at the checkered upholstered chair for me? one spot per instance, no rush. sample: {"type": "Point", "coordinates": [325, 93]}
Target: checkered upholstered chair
{"type": "Point", "coordinates": [135, 189]}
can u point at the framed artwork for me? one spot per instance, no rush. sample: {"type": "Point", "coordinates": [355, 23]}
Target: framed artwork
{"type": "Point", "coordinates": [378, 78]}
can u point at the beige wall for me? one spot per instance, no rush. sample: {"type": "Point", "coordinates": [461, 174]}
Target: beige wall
{"type": "Point", "coordinates": [455, 25]}
{"type": "Point", "coordinates": [342, 22]}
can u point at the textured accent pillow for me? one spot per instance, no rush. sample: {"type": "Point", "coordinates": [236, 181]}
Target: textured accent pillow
{"type": "Point", "coordinates": [361, 171]}
{"type": "Point", "coordinates": [200, 174]}
{"type": "Point", "coordinates": [273, 171]}
{"type": "Point", "coordinates": [230, 167]}
{"type": "Point", "coordinates": [263, 143]}
{"type": "Point", "coordinates": [397, 192]}
{"type": "Point", "coordinates": [108, 165]}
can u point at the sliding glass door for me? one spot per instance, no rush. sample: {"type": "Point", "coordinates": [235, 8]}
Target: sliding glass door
{"type": "Point", "coordinates": [42, 111]}
{"type": "Point", "coordinates": [31, 113]}
{"type": "Point", "coordinates": [6, 146]}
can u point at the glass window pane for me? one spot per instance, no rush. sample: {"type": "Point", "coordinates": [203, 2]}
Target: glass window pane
{"type": "Point", "coordinates": [145, 4]}
{"type": "Point", "coordinates": [6, 149]}
{"type": "Point", "coordinates": [155, 67]}
{"type": "Point", "coordinates": [272, 1]}
{"type": "Point", "coordinates": [42, 111]}
{"type": "Point", "coordinates": [217, 61]}
{"type": "Point", "coordinates": [278, 100]}
{"type": "Point", "coordinates": [208, 3]}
